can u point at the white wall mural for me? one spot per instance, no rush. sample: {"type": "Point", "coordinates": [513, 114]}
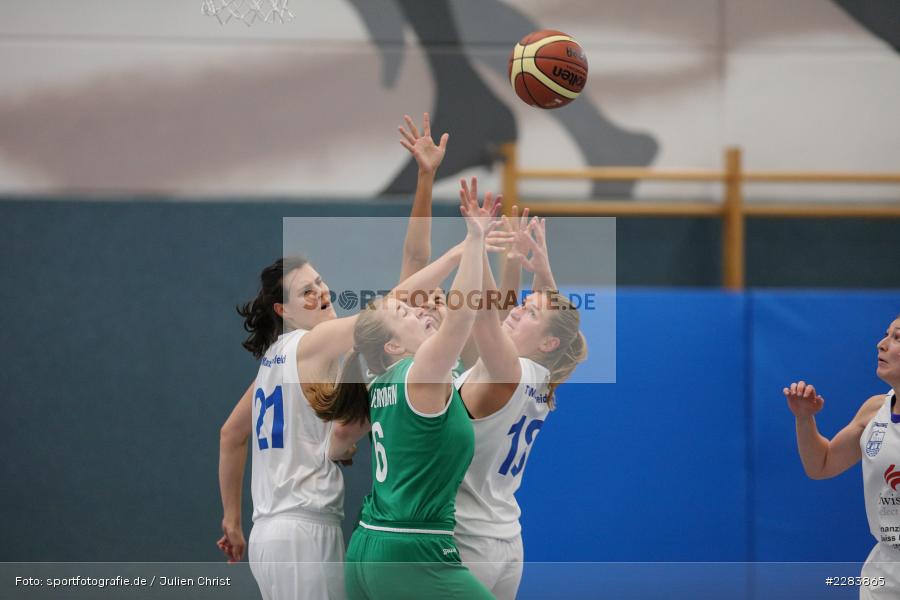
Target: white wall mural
{"type": "Point", "coordinates": [132, 97]}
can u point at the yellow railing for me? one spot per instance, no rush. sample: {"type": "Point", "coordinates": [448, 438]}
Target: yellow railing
{"type": "Point", "coordinates": [731, 209]}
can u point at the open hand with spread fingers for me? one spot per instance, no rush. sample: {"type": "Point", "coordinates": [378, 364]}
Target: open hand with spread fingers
{"type": "Point", "coordinates": [481, 219]}
{"type": "Point", "coordinates": [428, 155]}
{"type": "Point", "coordinates": [537, 245]}
{"type": "Point", "coordinates": [516, 226]}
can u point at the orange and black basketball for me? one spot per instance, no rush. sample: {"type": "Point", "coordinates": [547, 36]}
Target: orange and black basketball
{"type": "Point", "coordinates": [548, 69]}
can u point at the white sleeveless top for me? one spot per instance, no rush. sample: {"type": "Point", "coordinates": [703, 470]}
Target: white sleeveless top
{"type": "Point", "coordinates": [485, 504]}
{"type": "Point", "coordinates": [880, 443]}
{"type": "Point", "coordinates": [291, 470]}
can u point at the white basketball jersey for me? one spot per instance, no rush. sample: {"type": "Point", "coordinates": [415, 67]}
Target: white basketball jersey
{"type": "Point", "coordinates": [880, 443]}
{"type": "Point", "coordinates": [486, 504]}
{"type": "Point", "coordinates": [291, 469]}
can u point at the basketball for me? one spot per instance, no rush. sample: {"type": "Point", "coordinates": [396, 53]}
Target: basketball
{"type": "Point", "coordinates": [548, 69]}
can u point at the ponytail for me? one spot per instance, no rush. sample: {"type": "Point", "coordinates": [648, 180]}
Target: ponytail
{"type": "Point", "coordinates": [572, 350]}
{"type": "Point", "coordinates": [348, 400]}
{"type": "Point", "coordinates": [569, 359]}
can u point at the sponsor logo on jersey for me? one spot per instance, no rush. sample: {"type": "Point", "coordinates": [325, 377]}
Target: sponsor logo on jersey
{"type": "Point", "coordinates": [892, 477]}
{"type": "Point", "coordinates": [533, 394]}
{"type": "Point", "coordinates": [888, 504]}
{"type": "Point", "coordinates": [384, 396]}
{"type": "Point", "coordinates": [448, 551]}
{"type": "Point", "coordinates": [279, 359]}
{"type": "Point", "coordinates": [876, 438]}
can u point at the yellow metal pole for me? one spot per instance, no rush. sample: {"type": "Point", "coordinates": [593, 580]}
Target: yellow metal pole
{"type": "Point", "coordinates": [510, 184]}
{"type": "Point", "coordinates": [733, 258]}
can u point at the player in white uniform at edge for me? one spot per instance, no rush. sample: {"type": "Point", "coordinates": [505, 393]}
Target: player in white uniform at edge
{"type": "Point", "coordinates": [509, 393]}
{"type": "Point", "coordinates": [296, 546]}
{"type": "Point", "coordinates": [874, 437]}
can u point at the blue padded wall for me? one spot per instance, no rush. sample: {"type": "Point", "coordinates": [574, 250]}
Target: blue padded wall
{"type": "Point", "coordinates": [828, 339]}
{"type": "Point", "coordinates": [651, 468]}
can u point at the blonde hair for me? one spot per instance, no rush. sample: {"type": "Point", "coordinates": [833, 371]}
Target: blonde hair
{"type": "Point", "coordinates": [565, 323]}
{"type": "Point", "coordinates": [348, 400]}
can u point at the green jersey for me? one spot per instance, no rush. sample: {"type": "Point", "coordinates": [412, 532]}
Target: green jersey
{"type": "Point", "coordinates": [418, 459]}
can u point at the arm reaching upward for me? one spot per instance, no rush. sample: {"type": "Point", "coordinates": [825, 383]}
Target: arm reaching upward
{"type": "Point", "coordinates": [497, 353]}
{"type": "Point", "coordinates": [333, 339]}
{"type": "Point", "coordinates": [511, 277]}
{"type": "Point", "coordinates": [437, 355]}
{"type": "Point", "coordinates": [496, 374]}
{"type": "Point", "coordinates": [539, 263]}
{"type": "Point", "coordinates": [417, 244]}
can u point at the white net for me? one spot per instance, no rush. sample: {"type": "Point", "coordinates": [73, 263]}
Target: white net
{"type": "Point", "coordinates": [248, 11]}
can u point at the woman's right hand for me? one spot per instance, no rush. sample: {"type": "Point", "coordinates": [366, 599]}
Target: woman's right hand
{"type": "Point", "coordinates": [428, 155]}
{"type": "Point", "coordinates": [515, 228]}
{"type": "Point", "coordinates": [480, 219]}
{"type": "Point", "coordinates": [803, 400]}
{"type": "Point", "coordinates": [232, 542]}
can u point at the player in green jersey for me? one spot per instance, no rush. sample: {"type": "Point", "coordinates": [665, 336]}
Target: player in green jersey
{"type": "Point", "coordinates": [422, 439]}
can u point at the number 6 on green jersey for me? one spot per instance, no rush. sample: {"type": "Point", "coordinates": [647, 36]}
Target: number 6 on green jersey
{"type": "Point", "coordinates": [381, 465]}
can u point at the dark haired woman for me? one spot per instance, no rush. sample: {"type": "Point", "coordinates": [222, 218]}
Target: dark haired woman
{"type": "Point", "coordinates": [297, 491]}
{"type": "Point", "coordinates": [873, 436]}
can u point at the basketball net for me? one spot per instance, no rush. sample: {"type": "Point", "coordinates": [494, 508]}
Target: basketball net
{"type": "Point", "coordinates": [248, 11]}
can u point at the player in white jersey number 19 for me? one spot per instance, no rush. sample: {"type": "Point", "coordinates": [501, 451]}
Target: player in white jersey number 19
{"type": "Point", "coordinates": [509, 393]}
{"type": "Point", "coordinates": [873, 436]}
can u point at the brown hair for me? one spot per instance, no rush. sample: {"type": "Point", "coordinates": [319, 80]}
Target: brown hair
{"type": "Point", "coordinates": [348, 400]}
{"type": "Point", "coordinates": [565, 323]}
{"type": "Point", "coordinates": [260, 318]}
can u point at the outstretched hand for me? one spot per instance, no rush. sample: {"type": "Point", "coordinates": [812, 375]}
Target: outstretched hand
{"type": "Point", "coordinates": [481, 219]}
{"type": "Point", "coordinates": [422, 147]}
{"type": "Point", "coordinates": [537, 245]}
{"type": "Point", "coordinates": [803, 400]}
{"type": "Point", "coordinates": [516, 247]}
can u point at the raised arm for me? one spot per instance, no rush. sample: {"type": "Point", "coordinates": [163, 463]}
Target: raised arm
{"type": "Point", "coordinates": [233, 439]}
{"type": "Point", "coordinates": [539, 263]}
{"type": "Point", "coordinates": [823, 458]}
{"type": "Point", "coordinates": [332, 339]}
{"type": "Point", "coordinates": [497, 354]}
{"type": "Point", "coordinates": [511, 277]}
{"type": "Point", "coordinates": [417, 244]}
{"type": "Point", "coordinates": [327, 341]}
{"type": "Point", "coordinates": [420, 284]}
{"type": "Point", "coordinates": [496, 374]}
{"type": "Point", "coordinates": [437, 355]}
